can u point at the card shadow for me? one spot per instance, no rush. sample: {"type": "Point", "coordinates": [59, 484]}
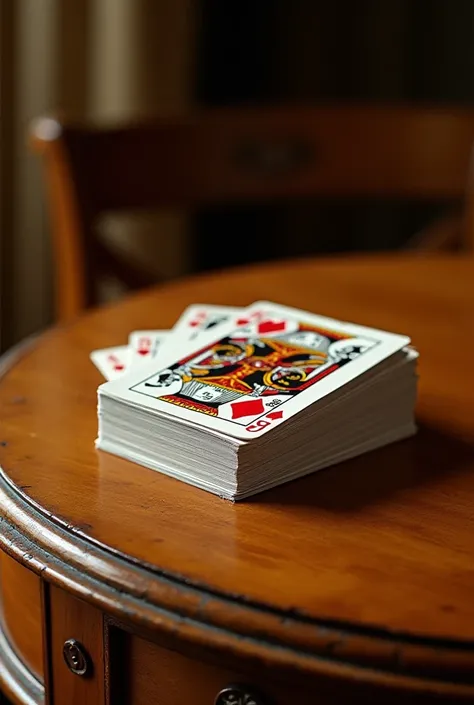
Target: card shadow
{"type": "Point", "coordinates": [375, 477]}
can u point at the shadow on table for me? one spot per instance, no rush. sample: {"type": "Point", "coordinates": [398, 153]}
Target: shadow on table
{"type": "Point", "coordinates": [414, 464]}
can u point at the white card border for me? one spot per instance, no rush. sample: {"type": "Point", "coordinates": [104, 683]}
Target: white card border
{"type": "Point", "coordinates": [179, 335]}
{"type": "Point", "coordinates": [158, 334]}
{"type": "Point", "coordinates": [96, 357]}
{"type": "Point", "coordinates": [390, 343]}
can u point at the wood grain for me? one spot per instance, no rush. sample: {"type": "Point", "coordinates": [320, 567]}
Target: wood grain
{"type": "Point", "coordinates": [20, 591]}
{"type": "Point", "coordinates": [75, 619]}
{"type": "Point", "coordinates": [366, 564]}
{"type": "Point", "coordinates": [18, 686]}
{"type": "Point", "coordinates": [223, 156]}
{"type": "Point", "coordinates": [157, 674]}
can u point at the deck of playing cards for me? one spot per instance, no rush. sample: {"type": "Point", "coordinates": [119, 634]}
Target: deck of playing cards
{"type": "Point", "coordinates": [236, 401]}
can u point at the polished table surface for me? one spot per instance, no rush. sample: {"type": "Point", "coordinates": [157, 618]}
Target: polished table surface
{"type": "Point", "coordinates": [369, 564]}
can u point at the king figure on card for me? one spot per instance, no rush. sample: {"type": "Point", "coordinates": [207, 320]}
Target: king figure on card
{"type": "Point", "coordinates": [268, 395]}
{"type": "Point", "coordinates": [248, 364]}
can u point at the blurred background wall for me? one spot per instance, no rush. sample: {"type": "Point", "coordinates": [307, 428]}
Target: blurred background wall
{"type": "Point", "coordinates": [281, 51]}
{"type": "Point", "coordinates": [99, 60]}
{"type": "Point", "coordinates": [118, 60]}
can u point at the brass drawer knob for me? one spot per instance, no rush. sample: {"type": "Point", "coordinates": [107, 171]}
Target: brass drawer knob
{"type": "Point", "coordinates": [76, 657]}
{"type": "Point", "coordinates": [238, 694]}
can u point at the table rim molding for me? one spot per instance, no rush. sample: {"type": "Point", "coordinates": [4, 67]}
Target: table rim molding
{"type": "Point", "coordinates": [159, 601]}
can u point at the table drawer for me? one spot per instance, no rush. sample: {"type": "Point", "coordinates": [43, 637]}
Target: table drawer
{"type": "Point", "coordinates": [124, 668]}
{"type": "Point", "coordinates": [76, 651]}
{"type": "Point", "coordinates": [21, 613]}
{"type": "Point", "coordinates": [121, 668]}
{"type": "Point", "coordinates": [149, 673]}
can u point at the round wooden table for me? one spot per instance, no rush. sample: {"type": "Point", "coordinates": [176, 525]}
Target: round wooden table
{"type": "Point", "coordinates": [356, 584]}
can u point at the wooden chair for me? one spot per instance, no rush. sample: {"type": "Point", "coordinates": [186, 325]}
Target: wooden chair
{"type": "Point", "coordinates": [224, 156]}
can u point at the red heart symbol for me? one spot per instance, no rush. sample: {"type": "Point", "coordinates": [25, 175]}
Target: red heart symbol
{"type": "Point", "coordinates": [271, 326]}
{"type": "Point", "coordinates": [193, 324]}
{"type": "Point", "coordinates": [119, 367]}
{"type": "Point", "coordinates": [242, 321]}
{"type": "Point", "coordinates": [143, 351]}
{"type": "Point", "coordinates": [275, 415]}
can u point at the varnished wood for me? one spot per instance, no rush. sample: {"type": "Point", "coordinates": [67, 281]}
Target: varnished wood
{"type": "Point", "coordinates": [155, 673]}
{"type": "Point", "coordinates": [359, 575]}
{"type": "Point", "coordinates": [17, 683]}
{"type": "Point", "coordinates": [20, 591]}
{"type": "Point", "coordinates": [74, 619]}
{"type": "Point", "coordinates": [69, 229]}
{"type": "Point", "coordinates": [224, 156]}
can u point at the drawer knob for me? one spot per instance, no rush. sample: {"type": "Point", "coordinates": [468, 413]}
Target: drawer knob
{"type": "Point", "coordinates": [76, 657]}
{"type": "Point", "coordinates": [238, 695]}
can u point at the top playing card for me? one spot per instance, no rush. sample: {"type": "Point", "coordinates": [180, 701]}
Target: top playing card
{"type": "Point", "coordinates": [248, 375]}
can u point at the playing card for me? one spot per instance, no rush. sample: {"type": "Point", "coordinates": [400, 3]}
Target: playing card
{"type": "Point", "coordinates": [112, 362]}
{"type": "Point", "coordinates": [144, 344]}
{"type": "Point", "coordinates": [202, 317]}
{"type": "Point", "coordinates": [244, 379]}
{"type": "Point", "coordinates": [197, 320]}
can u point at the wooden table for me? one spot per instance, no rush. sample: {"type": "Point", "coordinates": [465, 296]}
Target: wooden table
{"type": "Point", "coordinates": [352, 585]}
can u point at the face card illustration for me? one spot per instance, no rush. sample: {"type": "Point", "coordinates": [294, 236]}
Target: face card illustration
{"type": "Point", "coordinates": [248, 376]}
{"type": "Point", "coordinates": [252, 373]}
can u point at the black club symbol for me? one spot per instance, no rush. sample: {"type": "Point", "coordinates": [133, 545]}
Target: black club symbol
{"type": "Point", "coordinates": [350, 352]}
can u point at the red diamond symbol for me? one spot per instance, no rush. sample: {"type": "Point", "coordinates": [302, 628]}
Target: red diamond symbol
{"type": "Point", "coordinates": [271, 326]}
{"type": "Point", "coordinates": [250, 407]}
{"type": "Point", "coordinates": [242, 321]}
{"type": "Point", "coordinates": [275, 415]}
{"type": "Point", "coordinates": [118, 366]}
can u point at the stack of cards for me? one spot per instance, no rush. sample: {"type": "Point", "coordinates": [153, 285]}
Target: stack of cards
{"type": "Point", "coordinates": [236, 401]}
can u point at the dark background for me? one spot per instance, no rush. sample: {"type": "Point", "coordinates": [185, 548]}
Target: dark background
{"type": "Point", "coordinates": [280, 51]}
{"type": "Point", "coordinates": [128, 60]}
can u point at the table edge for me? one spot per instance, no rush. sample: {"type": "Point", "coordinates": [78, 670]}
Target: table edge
{"type": "Point", "coordinates": [16, 680]}
{"type": "Point", "coordinates": [155, 601]}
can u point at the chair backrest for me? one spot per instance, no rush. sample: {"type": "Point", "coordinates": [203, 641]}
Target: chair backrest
{"type": "Point", "coordinates": [224, 156]}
